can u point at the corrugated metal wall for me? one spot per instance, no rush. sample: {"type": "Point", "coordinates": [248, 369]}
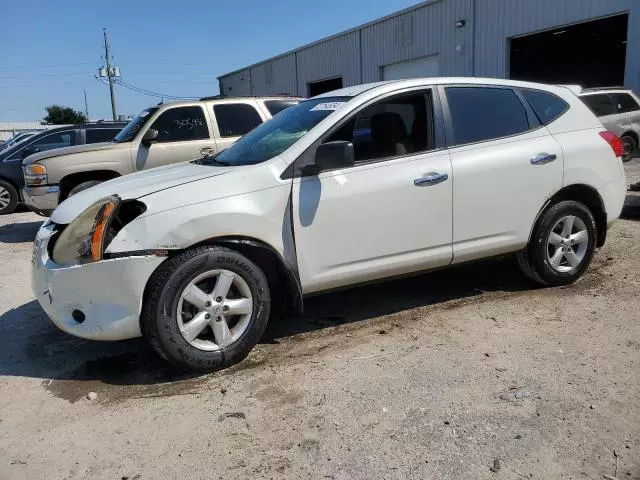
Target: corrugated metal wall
{"type": "Point", "coordinates": [480, 48]}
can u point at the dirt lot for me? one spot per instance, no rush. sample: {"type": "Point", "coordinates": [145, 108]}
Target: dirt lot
{"type": "Point", "coordinates": [435, 376]}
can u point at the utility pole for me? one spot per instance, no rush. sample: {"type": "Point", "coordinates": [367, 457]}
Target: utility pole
{"type": "Point", "coordinates": [86, 105]}
{"type": "Point", "coordinates": [110, 75]}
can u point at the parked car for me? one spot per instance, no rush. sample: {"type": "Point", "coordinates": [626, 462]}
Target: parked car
{"type": "Point", "coordinates": [17, 138]}
{"type": "Point", "coordinates": [619, 111]}
{"type": "Point", "coordinates": [160, 135]}
{"type": "Point", "coordinates": [11, 179]}
{"type": "Point", "coordinates": [195, 256]}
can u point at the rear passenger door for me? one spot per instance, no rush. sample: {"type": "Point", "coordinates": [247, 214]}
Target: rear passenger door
{"type": "Point", "coordinates": [233, 120]}
{"type": "Point", "coordinates": [505, 165]}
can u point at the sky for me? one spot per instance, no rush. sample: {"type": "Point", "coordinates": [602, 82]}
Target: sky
{"type": "Point", "coordinates": [50, 51]}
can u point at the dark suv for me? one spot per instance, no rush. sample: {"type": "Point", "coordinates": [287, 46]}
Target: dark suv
{"type": "Point", "coordinates": [11, 181]}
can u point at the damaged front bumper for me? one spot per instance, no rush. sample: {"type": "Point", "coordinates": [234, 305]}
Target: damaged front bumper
{"type": "Point", "coordinates": [96, 301]}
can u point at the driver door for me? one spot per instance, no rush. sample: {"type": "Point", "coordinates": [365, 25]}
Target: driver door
{"type": "Point", "coordinates": [391, 212]}
{"type": "Point", "coordinates": [183, 134]}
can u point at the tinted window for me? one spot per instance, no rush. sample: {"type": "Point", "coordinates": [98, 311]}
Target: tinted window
{"type": "Point", "coordinates": [96, 135]}
{"type": "Point", "coordinates": [480, 113]}
{"type": "Point", "coordinates": [624, 102]}
{"type": "Point", "coordinates": [236, 119]}
{"type": "Point", "coordinates": [601, 104]}
{"type": "Point", "coordinates": [55, 140]}
{"type": "Point", "coordinates": [181, 124]}
{"type": "Point", "coordinates": [276, 106]}
{"type": "Point", "coordinates": [396, 126]}
{"type": "Point", "coordinates": [547, 106]}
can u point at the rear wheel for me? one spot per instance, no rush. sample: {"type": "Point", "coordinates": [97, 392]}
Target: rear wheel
{"type": "Point", "coordinates": [206, 308]}
{"type": "Point", "coordinates": [8, 198]}
{"type": "Point", "coordinates": [630, 145]}
{"type": "Point", "coordinates": [562, 244]}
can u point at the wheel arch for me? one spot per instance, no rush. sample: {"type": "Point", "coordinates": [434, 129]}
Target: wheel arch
{"type": "Point", "coordinates": [281, 275]}
{"type": "Point", "coordinates": [68, 182]}
{"type": "Point", "coordinates": [586, 195]}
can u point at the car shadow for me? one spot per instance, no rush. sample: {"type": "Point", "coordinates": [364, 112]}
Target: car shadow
{"type": "Point", "coordinates": [33, 347]}
{"type": "Point", "coordinates": [19, 232]}
{"type": "Point", "coordinates": [631, 208]}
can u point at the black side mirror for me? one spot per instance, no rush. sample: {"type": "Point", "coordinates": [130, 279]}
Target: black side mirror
{"type": "Point", "coordinates": [150, 136]}
{"type": "Point", "coordinates": [338, 154]}
{"type": "Point", "coordinates": [29, 151]}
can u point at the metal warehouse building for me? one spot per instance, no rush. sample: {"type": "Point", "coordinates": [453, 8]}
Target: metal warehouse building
{"type": "Point", "coordinates": [588, 42]}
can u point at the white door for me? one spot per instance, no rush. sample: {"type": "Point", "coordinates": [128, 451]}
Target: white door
{"type": "Point", "coordinates": [418, 68]}
{"type": "Point", "coordinates": [506, 167]}
{"type": "Point", "coordinates": [389, 214]}
{"type": "Point", "coordinates": [183, 134]}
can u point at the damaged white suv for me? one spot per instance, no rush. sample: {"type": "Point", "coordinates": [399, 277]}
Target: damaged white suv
{"type": "Point", "coordinates": [356, 185]}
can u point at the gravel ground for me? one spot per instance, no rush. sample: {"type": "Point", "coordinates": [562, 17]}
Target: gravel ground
{"type": "Point", "coordinates": [446, 375]}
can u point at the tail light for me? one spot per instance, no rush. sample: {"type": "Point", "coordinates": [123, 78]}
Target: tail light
{"type": "Point", "coordinates": [614, 142]}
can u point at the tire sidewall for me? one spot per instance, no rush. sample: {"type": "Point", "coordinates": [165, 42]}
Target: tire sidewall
{"type": "Point", "coordinates": [634, 147]}
{"type": "Point", "coordinates": [538, 252]}
{"type": "Point", "coordinates": [179, 351]}
{"type": "Point", "coordinates": [13, 198]}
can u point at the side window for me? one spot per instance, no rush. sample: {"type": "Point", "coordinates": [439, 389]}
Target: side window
{"type": "Point", "coordinates": [236, 119]}
{"type": "Point", "coordinates": [482, 113]}
{"type": "Point", "coordinates": [624, 102]}
{"type": "Point", "coordinates": [276, 106]}
{"type": "Point", "coordinates": [97, 135]}
{"type": "Point", "coordinates": [55, 140]}
{"type": "Point", "coordinates": [181, 124]}
{"type": "Point", "coordinates": [400, 125]}
{"type": "Point", "coordinates": [600, 104]}
{"type": "Point", "coordinates": [546, 105]}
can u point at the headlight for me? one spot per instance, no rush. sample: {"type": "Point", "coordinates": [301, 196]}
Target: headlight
{"type": "Point", "coordinates": [35, 174]}
{"type": "Point", "coordinates": [82, 241]}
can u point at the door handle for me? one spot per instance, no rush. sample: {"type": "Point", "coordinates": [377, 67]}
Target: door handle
{"type": "Point", "coordinates": [543, 158]}
{"type": "Point", "coordinates": [431, 178]}
{"type": "Point", "coordinates": [206, 151]}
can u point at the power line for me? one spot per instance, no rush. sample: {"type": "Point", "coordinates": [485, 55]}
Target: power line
{"type": "Point", "coordinates": [149, 92]}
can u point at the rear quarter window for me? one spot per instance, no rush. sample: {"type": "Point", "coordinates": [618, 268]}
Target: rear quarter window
{"type": "Point", "coordinates": [546, 106]}
{"type": "Point", "coordinates": [624, 102]}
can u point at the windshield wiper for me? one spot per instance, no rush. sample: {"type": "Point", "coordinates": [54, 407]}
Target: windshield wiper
{"type": "Point", "coordinates": [210, 161]}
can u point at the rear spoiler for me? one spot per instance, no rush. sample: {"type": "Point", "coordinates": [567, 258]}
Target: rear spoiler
{"type": "Point", "coordinates": [577, 89]}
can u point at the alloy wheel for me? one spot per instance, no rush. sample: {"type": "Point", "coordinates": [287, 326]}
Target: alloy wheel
{"type": "Point", "coordinates": [5, 197]}
{"type": "Point", "coordinates": [567, 244]}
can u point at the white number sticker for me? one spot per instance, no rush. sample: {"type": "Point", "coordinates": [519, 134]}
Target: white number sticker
{"type": "Point", "coordinates": [330, 106]}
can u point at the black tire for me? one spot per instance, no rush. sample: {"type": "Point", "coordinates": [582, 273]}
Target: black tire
{"type": "Point", "coordinates": [630, 146]}
{"type": "Point", "coordinates": [83, 186]}
{"type": "Point", "coordinates": [159, 321]}
{"type": "Point", "coordinates": [534, 260]}
{"type": "Point", "coordinates": [8, 189]}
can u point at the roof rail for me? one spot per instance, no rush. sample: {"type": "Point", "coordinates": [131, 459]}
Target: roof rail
{"type": "Point", "coordinates": [219, 97]}
{"type": "Point", "coordinates": [595, 89]}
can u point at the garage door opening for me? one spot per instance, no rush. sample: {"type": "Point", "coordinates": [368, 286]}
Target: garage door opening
{"type": "Point", "coordinates": [417, 68]}
{"type": "Point", "coordinates": [324, 86]}
{"type": "Point", "coordinates": [591, 54]}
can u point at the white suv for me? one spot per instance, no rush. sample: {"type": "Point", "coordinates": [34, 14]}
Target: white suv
{"type": "Point", "coordinates": [359, 184]}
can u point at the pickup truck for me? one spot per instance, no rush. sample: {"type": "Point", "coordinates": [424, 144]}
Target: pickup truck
{"type": "Point", "coordinates": [159, 135]}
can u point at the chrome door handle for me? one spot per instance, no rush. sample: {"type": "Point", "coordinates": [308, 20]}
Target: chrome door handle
{"type": "Point", "coordinates": [206, 151]}
{"type": "Point", "coordinates": [543, 158]}
{"type": "Point", "coordinates": [431, 178]}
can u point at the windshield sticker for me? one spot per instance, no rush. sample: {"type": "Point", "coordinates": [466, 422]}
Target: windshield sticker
{"type": "Point", "coordinates": [330, 106]}
{"type": "Point", "coordinates": [144, 114]}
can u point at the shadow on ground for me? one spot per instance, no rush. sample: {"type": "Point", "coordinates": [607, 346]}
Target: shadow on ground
{"type": "Point", "coordinates": [32, 347]}
{"type": "Point", "coordinates": [19, 232]}
{"type": "Point", "coordinates": [631, 208]}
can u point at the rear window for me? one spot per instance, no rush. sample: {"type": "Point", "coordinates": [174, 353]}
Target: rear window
{"type": "Point", "coordinates": [624, 102]}
{"type": "Point", "coordinates": [546, 105]}
{"type": "Point", "coordinates": [600, 104]}
{"type": "Point", "coordinates": [97, 135]}
{"type": "Point", "coordinates": [236, 119]}
{"type": "Point", "coordinates": [483, 113]}
{"type": "Point", "coordinates": [276, 106]}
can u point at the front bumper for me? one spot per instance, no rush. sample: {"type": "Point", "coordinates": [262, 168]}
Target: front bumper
{"type": "Point", "coordinates": [108, 293]}
{"type": "Point", "coordinates": [42, 200]}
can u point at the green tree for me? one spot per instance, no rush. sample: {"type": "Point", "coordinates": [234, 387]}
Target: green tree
{"type": "Point", "coordinates": [59, 115]}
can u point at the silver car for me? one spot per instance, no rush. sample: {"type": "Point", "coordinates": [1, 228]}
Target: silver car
{"type": "Point", "coordinates": [619, 111]}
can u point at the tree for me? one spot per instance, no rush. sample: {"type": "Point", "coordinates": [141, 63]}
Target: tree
{"type": "Point", "coordinates": [59, 115]}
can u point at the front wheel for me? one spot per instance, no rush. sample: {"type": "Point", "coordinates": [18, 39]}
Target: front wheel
{"type": "Point", "coordinates": [206, 308]}
{"type": "Point", "coordinates": [8, 198]}
{"type": "Point", "coordinates": [630, 147]}
{"type": "Point", "coordinates": [562, 244]}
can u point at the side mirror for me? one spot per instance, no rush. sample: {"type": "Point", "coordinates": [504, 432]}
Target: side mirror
{"type": "Point", "coordinates": [338, 154]}
{"type": "Point", "coordinates": [150, 136]}
{"type": "Point", "coordinates": [29, 151]}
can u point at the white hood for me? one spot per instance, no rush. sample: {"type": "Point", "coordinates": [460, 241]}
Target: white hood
{"type": "Point", "coordinates": [135, 185]}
